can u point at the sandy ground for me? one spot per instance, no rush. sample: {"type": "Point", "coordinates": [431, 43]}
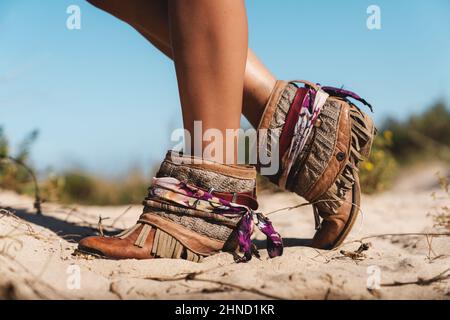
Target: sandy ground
{"type": "Point", "coordinates": [36, 260]}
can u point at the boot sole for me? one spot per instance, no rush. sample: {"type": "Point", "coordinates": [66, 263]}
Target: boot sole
{"type": "Point", "coordinates": [92, 252]}
{"type": "Point", "coordinates": [99, 255]}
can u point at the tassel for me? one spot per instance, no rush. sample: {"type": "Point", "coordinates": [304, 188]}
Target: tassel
{"type": "Point", "coordinates": [178, 250]}
{"type": "Point", "coordinates": [364, 130]}
{"type": "Point", "coordinates": [166, 246]}
{"type": "Point", "coordinates": [171, 247]}
{"type": "Point", "coordinates": [156, 241]}
{"type": "Point", "coordinates": [189, 255]}
{"type": "Point", "coordinates": [161, 244]}
{"type": "Point", "coordinates": [143, 235]}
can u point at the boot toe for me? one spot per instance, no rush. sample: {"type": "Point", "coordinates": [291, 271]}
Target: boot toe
{"type": "Point", "coordinates": [92, 245]}
{"type": "Point", "coordinates": [336, 226]}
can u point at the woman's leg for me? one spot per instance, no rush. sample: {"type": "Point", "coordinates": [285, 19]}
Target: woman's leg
{"type": "Point", "coordinates": [209, 44]}
{"type": "Point", "coordinates": [150, 18]}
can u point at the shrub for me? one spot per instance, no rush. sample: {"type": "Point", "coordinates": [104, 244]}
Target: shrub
{"type": "Point", "coordinates": [12, 176]}
{"type": "Point", "coordinates": [422, 137]}
{"type": "Point", "coordinates": [441, 215]}
{"type": "Point", "coordinates": [76, 186]}
{"type": "Point", "coordinates": [377, 172]}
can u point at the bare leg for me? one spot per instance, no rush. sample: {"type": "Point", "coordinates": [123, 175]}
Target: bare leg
{"type": "Point", "coordinates": [150, 18]}
{"type": "Point", "coordinates": [209, 44]}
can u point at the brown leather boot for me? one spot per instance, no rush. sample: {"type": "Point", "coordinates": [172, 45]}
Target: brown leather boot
{"type": "Point", "coordinates": [335, 226]}
{"type": "Point", "coordinates": [193, 210]}
{"type": "Point", "coordinates": [325, 168]}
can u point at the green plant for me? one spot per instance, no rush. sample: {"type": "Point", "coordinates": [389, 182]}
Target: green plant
{"type": "Point", "coordinates": [73, 186]}
{"type": "Point", "coordinates": [421, 137]}
{"type": "Point", "coordinates": [76, 186]}
{"type": "Point", "coordinates": [441, 216]}
{"type": "Point", "coordinates": [14, 169]}
{"type": "Point", "coordinates": [377, 172]}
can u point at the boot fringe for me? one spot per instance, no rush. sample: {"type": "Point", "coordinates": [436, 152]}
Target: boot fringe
{"type": "Point", "coordinates": [364, 129]}
{"type": "Point", "coordinates": [143, 235]}
{"type": "Point", "coordinates": [164, 244]}
{"type": "Point", "coordinates": [362, 135]}
{"type": "Point", "coordinates": [167, 246]}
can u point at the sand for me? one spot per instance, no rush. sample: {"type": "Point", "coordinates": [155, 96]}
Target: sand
{"type": "Point", "coordinates": [36, 260]}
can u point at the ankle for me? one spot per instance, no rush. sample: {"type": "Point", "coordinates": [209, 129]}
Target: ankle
{"type": "Point", "coordinates": [256, 98]}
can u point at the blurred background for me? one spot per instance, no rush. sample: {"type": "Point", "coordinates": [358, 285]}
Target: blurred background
{"type": "Point", "coordinates": [91, 110]}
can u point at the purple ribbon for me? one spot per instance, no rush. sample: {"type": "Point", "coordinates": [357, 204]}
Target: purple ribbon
{"type": "Point", "coordinates": [339, 92]}
{"type": "Point", "coordinates": [246, 224]}
{"type": "Point", "coordinates": [245, 229]}
{"type": "Point", "coordinates": [274, 240]}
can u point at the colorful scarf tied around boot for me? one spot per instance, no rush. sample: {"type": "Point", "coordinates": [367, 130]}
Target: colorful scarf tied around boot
{"type": "Point", "coordinates": [188, 196]}
{"type": "Point", "coordinates": [304, 113]}
{"type": "Point", "coordinates": [300, 120]}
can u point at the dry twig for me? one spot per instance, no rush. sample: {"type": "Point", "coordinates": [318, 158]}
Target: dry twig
{"type": "Point", "coordinates": [357, 254]}
{"type": "Point", "coordinates": [421, 281]}
{"type": "Point", "coordinates": [100, 225]}
{"type": "Point", "coordinates": [193, 276]}
{"type": "Point", "coordinates": [120, 216]}
{"type": "Point", "coordinates": [37, 193]}
{"type": "Point", "coordinates": [382, 235]}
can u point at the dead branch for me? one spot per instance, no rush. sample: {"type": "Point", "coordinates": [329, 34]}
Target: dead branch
{"type": "Point", "coordinates": [114, 290]}
{"type": "Point", "coordinates": [421, 281]}
{"type": "Point", "coordinates": [30, 231]}
{"type": "Point", "coordinates": [382, 235]}
{"type": "Point", "coordinates": [193, 277]}
{"type": "Point", "coordinates": [288, 208]}
{"type": "Point", "coordinates": [120, 216]}
{"type": "Point", "coordinates": [100, 225]}
{"type": "Point", "coordinates": [37, 193]}
{"type": "Point", "coordinates": [35, 281]}
{"type": "Point", "coordinates": [357, 254]}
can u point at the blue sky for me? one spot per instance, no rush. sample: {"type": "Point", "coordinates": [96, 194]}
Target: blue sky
{"type": "Point", "coordinates": [103, 98]}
